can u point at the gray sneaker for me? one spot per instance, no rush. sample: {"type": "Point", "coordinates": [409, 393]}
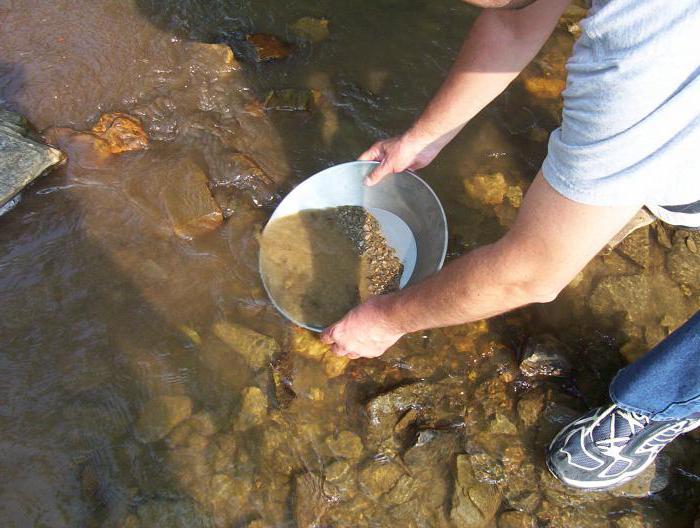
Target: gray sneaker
{"type": "Point", "coordinates": [607, 447]}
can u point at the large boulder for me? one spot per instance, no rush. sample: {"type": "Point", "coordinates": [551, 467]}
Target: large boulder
{"type": "Point", "coordinates": [23, 157]}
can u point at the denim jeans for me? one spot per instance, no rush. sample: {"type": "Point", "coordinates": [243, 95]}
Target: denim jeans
{"type": "Point", "coordinates": [665, 383]}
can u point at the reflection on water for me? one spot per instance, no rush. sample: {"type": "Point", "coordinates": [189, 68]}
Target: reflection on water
{"type": "Point", "coordinates": [113, 322]}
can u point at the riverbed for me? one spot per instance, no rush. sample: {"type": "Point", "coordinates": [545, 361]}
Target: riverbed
{"type": "Point", "coordinates": [145, 378]}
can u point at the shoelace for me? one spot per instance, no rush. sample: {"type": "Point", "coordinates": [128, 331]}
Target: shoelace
{"type": "Point", "coordinates": [612, 444]}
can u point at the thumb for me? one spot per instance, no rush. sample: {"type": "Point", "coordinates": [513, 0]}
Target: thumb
{"type": "Point", "coordinates": [378, 174]}
{"type": "Point", "coordinates": [325, 336]}
{"type": "Point", "coordinates": [374, 153]}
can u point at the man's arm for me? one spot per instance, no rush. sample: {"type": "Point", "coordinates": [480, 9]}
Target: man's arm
{"type": "Point", "coordinates": [551, 241]}
{"type": "Point", "coordinates": [500, 44]}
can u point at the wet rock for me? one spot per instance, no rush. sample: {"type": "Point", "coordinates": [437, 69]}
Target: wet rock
{"type": "Point", "coordinates": [334, 365]}
{"type": "Point", "coordinates": [632, 520]}
{"type": "Point", "coordinates": [516, 519]}
{"type": "Point", "coordinates": [683, 262]}
{"type": "Point", "coordinates": [256, 348]}
{"type": "Point", "coordinates": [339, 481]}
{"type": "Point", "coordinates": [488, 189]}
{"type": "Point", "coordinates": [378, 478]}
{"type": "Point", "coordinates": [171, 514]}
{"type": "Point", "coordinates": [530, 407]}
{"type": "Point", "coordinates": [307, 344]}
{"type": "Point", "coordinates": [662, 235]}
{"type": "Point", "coordinates": [160, 415]}
{"type": "Point", "coordinates": [310, 503]}
{"type": "Point", "coordinates": [652, 480]}
{"type": "Point", "coordinates": [217, 57]}
{"type": "Point", "coordinates": [312, 29]}
{"type": "Point", "coordinates": [253, 409]}
{"type": "Point", "coordinates": [474, 503]}
{"type": "Point", "coordinates": [571, 18]}
{"type": "Point", "coordinates": [268, 47]}
{"type": "Point", "coordinates": [291, 99]}
{"type": "Point", "coordinates": [346, 445]}
{"type": "Point", "coordinates": [235, 172]}
{"type": "Point", "coordinates": [193, 432]}
{"type": "Point", "coordinates": [189, 203]}
{"type": "Point", "coordinates": [23, 158]}
{"type": "Point", "coordinates": [121, 132]}
{"type": "Point", "coordinates": [636, 247]}
{"type": "Point", "coordinates": [544, 87]}
{"type": "Point", "coordinates": [501, 424]}
{"type": "Point", "coordinates": [486, 468]}
{"type": "Point", "coordinates": [227, 498]}
{"type": "Point", "coordinates": [544, 357]}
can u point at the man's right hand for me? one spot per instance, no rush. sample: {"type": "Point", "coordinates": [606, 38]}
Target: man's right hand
{"type": "Point", "coordinates": [398, 154]}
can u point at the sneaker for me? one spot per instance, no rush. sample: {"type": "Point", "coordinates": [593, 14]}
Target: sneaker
{"type": "Point", "coordinates": [608, 447]}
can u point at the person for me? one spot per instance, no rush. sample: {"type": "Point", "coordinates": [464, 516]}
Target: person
{"type": "Point", "coordinates": [630, 128]}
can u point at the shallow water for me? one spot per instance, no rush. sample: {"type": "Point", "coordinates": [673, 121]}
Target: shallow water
{"type": "Point", "coordinates": [105, 308]}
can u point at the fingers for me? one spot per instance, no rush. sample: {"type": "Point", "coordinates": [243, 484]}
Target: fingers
{"type": "Point", "coordinates": [374, 153]}
{"type": "Point", "coordinates": [377, 174]}
{"type": "Point", "coordinates": [327, 336]}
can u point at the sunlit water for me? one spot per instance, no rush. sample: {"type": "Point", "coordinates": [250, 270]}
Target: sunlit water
{"type": "Point", "coordinates": [103, 308]}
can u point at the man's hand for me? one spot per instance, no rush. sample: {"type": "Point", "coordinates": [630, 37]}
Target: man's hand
{"type": "Point", "coordinates": [400, 153]}
{"type": "Point", "coordinates": [363, 332]}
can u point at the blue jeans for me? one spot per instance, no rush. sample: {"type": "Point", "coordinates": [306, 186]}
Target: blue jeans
{"type": "Point", "coordinates": [665, 383]}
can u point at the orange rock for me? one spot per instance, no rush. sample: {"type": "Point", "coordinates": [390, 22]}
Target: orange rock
{"type": "Point", "coordinates": [122, 132]}
{"type": "Point", "coordinates": [269, 47]}
{"type": "Point", "coordinates": [83, 148]}
{"type": "Point", "coordinates": [544, 87]}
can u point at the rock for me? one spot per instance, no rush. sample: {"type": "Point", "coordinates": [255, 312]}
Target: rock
{"type": "Point", "coordinates": [193, 432]}
{"type": "Point", "coordinates": [514, 196]}
{"type": "Point", "coordinates": [339, 481]}
{"type": "Point", "coordinates": [501, 424]}
{"type": "Point", "coordinates": [632, 520]}
{"type": "Point", "coordinates": [227, 498]}
{"type": "Point", "coordinates": [683, 261]}
{"type": "Point", "coordinates": [312, 29]}
{"type": "Point", "coordinates": [652, 480]}
{"type": "Point", "coordinates": [345, 445]}
{"type": "Point", "coordinates": [516, 519]}
{"type": "Point", "coordinates": [571, 17]}
{"type": "Point", "coordinates": [486, 468]}
{"type": "Point", "coordinates": [636, 247]}
{"type": "Point", "coordinates": [268, 47]}
{"type": "Point", "coordinates": [662, 236]}
{"type": "Point", "coordinates": [474, 503]}
{"type": "Point", "coordinates": [307, 344]}
{"type": "Point", "coordinates": [543, 358]}
{"type": "Point", "coordinates": [334, 365]}
{"type": "Point", "coordinates": [291, 99]}
{"type": "Point", "coordinates": [189, 203]}
{"type": "Point", "coordinates": [160, 415]}
{"type": "Point", "coordinates": [377, 478]}
{"type": "Point", "coordinates": [310, 503]}
{"type": "Point", "coordinates": [23, 158]}
{"type": "Point", "coordinates": [530, 407]}
{"type": "Point", "coordinates": [544, 87]}
{"type": "Point", "coordinates": [488, 189]}
{"type": "Point", "coordinates": [121, 132]}
{"type": "Point", "coordinates": [253, 409]}
{"type": "Point", "coordinates": [171, 514]}
{"type": "Point", "coordinates": [642, 219]}
{"type": "Point", "coordinates": [236, 172]}
{"type": "Point", "coordinates": [256, 348]}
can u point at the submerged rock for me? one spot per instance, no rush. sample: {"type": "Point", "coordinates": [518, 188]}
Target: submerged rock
{"type": "Point", "coordinates": [378, 477]}
{"type": "Point", "coordinates": [544, 87]}
{"type": "Point", "coordinates": [122, 132]}
{"type": "Point", "coordinates": [189, 203]}
{"type": "Point", "coordinates": [652, 480]}
{"type": "Point", "coordinates": [291, 99]}
{"type": "Point", "coordinates": [543, 358]}
{"type": "Point", "coordinates": [22, 157]}
{"type": "Point", "coordinates": [516, 519]}
{"type": "Point", "coordinates": [253, 409]}
{"type": "Point", "coordinates": [171, 514]}
{"type": "Point", "coordinates": [310, 503]}
{"type": "Point", "coordinates": [312, 29]}
{"type": "Point", "coordinates": [160, 416]}
{"type": "Point", "coordinates": [346, 445]}
{"type": "Point", "coordinates": [683, 262]}
{"type": "Point", "coordinates": [256, 348]}
{"type": "Point", "coordinates": [487, 189]}
{"type": "Point", "coordinates": [474, 503]}
{"type": "Point", "coordinates": [268, 47]}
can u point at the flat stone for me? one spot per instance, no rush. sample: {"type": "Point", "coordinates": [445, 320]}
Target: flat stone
{"type": "Point", "coordinates": [346, 445]}
{"type": "Point", "coordinates": [312, 29]}
{"type": "Point", "coordinates": [160, 415]}
{"type": "Point", "coordinates": [122, 132]}
{"type": "Point", "coordinates": [268, 47]}
{"type": "Point", "coordinates": [256, 348]}
{"type": "Point", "coordinates": [474, 503]}
{"type": "Point", "coordinates": [23, 158]}
{"type": "Point", "coordinates": [188, 201]}
{"type": "Point", "coordinates": [291, 99]}
{"type": "Point", "coordinates": [253, 409]}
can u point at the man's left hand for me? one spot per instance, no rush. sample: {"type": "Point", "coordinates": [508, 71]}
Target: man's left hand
{"type": "Point", "coordinates": [363, 332]}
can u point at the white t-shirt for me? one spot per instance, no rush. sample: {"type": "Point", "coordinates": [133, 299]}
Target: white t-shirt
{"type": "Point", "coordinates": [631, 121]}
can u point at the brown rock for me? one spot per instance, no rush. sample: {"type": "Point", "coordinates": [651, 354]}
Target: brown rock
{"type": "Point", "coordinates": [310, 503]}
{"type": "Point", "coordinates": [122, 132]}
{"type": "Point", "coordinates": [256, 348]}
{"type": "Point", "coordinates": [516, 519]}
{"type": "Point", "coordinates": [160, 415]}
{"type": "Point", "coordinates": [488, 189]}
{"type": "Point", "coordinates": [253, 409]}
{"type": "Point", "coordinates": [345, 445]}
{"type": "Point", "coordinates": [291, 99]}
{"type": "Point", "coordinates": [312, 29]}
{"type": "Point", "coordinates": [544, 87]}
{"type": "Point", "coordinates": [378, 478]}
{"type": "Point", "coordinates": [474, 504]}
{"type": "Point", "coordinates": [268, 47]}
{"type": "Point", "coordinates": [189, 203]}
